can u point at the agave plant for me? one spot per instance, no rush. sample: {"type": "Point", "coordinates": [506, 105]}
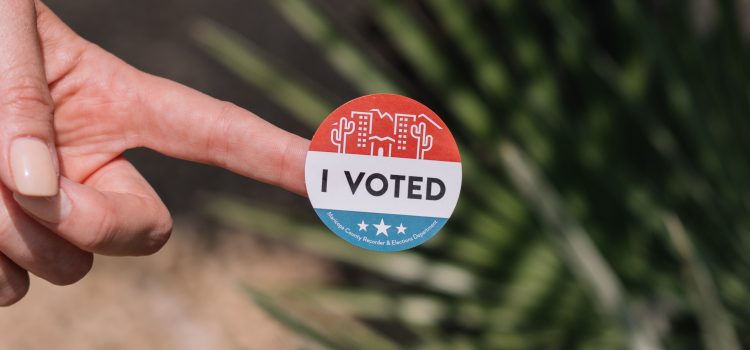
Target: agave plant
{"type": "Point", "coordinates": [606, 187]}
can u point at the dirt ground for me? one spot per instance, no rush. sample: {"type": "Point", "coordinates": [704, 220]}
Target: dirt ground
{"type": "Point", "coordinates": [187, 296]}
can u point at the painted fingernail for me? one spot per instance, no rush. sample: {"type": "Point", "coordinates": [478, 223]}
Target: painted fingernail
{"type": "Point", "coordinates": [33, 169]}
{"type": "Point", "coordinates": [51, 209]}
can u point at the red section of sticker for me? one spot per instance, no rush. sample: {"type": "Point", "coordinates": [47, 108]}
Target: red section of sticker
{"type": "Point", "coordinates": [386, 125]}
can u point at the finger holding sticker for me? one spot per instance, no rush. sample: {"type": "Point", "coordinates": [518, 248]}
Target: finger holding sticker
{"type": "Point", "coordinates": [383, 172]}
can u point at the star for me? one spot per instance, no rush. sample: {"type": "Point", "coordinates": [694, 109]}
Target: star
{"type": "Point", "coordinates": [382, 228]}
{"type": "Point", "coordinates": [401, 228]}
{"type": "Point", "coordinates": [362, 226]}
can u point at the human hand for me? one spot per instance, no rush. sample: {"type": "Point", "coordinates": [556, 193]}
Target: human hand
{"type": "Point", "coordinates": [102, 107]}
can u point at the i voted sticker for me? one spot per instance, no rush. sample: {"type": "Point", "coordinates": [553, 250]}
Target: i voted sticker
{"type": "Point", "coordinates": [383, 172]}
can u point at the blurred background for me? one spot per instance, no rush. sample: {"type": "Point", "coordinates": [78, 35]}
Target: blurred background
{"type": "Point", "coordinates": [606, 193]}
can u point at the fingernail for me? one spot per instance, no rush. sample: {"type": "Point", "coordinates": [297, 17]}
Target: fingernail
{"type": "Point", "coordinates": [33, 169]}
{"type": "Point", "coordinates": [50, 209]}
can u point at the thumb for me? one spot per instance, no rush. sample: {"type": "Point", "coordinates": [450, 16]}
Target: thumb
{"type": "Point", "coordinates": [27, 155]}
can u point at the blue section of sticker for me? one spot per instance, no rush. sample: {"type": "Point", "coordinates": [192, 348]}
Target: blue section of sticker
{"type": "Point", "coordinates": [380, 232]}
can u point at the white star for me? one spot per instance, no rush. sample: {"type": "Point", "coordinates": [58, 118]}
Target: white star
{"type": "Point", "coordinates": [401, 228]}
{"type": "Point", "coordinates": [362, 226]}
{"type": "Point", "coordinates": [382, 228]}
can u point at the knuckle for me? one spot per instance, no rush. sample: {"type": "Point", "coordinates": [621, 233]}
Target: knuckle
{"type": "Point", "coordinates": [71, 270]}
{"type": "Point", "coordinates": [101, 235]}
{"type": "Point", "coordinates": [216, 141]}
{"type": "Point", "coordinates": [28, 98]}
{"type": "Point", "coordinates": [11, 293]}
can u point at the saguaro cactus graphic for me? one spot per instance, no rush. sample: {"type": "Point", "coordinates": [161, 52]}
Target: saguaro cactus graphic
{"type": "Point", "coordinates": [338, 135]}
{"type": "Point", "coordinates": [424, 141]}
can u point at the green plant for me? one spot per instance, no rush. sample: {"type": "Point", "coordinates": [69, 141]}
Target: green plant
{"type": "Point", "coordinates": [606, 186]}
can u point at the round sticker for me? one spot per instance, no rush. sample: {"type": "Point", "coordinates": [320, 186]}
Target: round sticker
{"type": "Point", "coordinates": [383, 172]}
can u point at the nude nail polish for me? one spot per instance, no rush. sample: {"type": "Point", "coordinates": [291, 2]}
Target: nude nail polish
{"type": "Point", "coordinates": [33, 168]}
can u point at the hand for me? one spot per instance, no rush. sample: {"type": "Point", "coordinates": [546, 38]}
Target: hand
{"type": "Point", "coordinates": [51, 225]}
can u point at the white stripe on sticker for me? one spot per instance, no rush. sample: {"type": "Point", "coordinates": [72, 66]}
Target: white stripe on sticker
{"type": "Point", "coordinates": [385, 185]}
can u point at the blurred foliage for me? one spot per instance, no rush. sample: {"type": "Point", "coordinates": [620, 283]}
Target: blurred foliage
{"type": "Point", "coordinates": [606, 179]}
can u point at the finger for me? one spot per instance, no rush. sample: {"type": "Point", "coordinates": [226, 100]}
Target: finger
{"type": "Point", "coordinates": [37, 249]}
{"type": "Point", "coordinates": [115, 212]}
{"type": "Point", "coordinates": [14, 282]}
{"type": "Point", "coordinates": [27, 156]}
{"type": "Point", "coordinates": [184, 123]}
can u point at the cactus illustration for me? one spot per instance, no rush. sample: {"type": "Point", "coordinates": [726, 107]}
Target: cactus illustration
{"type": "Point", "coordinates": [338, 135]}
{"type": "Point", "coordinates": [424, 141]}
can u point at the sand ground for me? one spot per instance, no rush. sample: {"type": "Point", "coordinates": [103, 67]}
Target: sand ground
{"type": "Point", "coordinates": [186, 297]}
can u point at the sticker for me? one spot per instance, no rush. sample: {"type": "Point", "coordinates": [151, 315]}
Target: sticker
{"type": "Point", "coordinates": [383, 172]}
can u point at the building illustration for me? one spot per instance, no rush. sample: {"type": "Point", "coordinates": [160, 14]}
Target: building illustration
{"type": "Point", "coordinates": [382, 134]}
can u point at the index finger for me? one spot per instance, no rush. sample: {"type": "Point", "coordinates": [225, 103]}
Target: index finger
{"type": "Point", "coordinates": [184, 123]}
